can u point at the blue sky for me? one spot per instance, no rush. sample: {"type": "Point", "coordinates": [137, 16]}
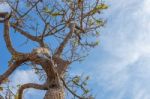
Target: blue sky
{"type": "Point", "coordinates": [120, 66]}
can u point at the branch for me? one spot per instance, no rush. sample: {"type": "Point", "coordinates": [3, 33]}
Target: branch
{"type": "Point", "coordinates": [54, 30]}
{"type": "Point", "coordinates": [62, 65]}
{"type": "Point", "coordinates": [65, 41]}
{"type": "Point", "coordinates": [92, 11]}
{"type": "Point", "coordinates": [73, 93]}
{"type": "Point", "coordinates": [30, 85]}
{"type": "Point", "coordinates": [7, 38]}
{"type": "Point", "coordinates": [46, 64]}
{"type": "Point", "coordinates": [30, 9]}
{"type": "Point", "coordinates": [26, 34]}
{"type": "Point", "coordinates": [8, 72]}
{"type": "Point", "coordinates": [11, 69]}
{"type": "Point", "coordinates": [13, 8]}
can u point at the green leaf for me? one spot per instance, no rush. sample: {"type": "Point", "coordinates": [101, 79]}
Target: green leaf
{"type": "Point", "coordinates": [102, 6]}
{"type": "Point", "coordinates": [91, 22]}
{"type": "Point", "coordinates": [86, 91]}
{"type": "Point", "coordinates": [94, 44]}
{"type": "Point", "coordinates": [56, 14]}
{"type": "Point", "coordinates": [76, 79]}
{"type": "Point", "coordinates": [99, 22]}
{"type": "Point", "coordinates": [97, 34]}
{"type": "Point", "coordinates": [66, 0]}
{"type": "Point", "coordinates": [46, 9]}
{"type": "Point", "coordinates": [1, 88]}
{"type": "Point", "coordinates": [97, 43]}
{"type": "Point", "coordinates": [75, 43]}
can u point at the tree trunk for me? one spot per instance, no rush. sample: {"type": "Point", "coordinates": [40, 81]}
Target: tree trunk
{"type": "Point", "coordinates": [55, 93]}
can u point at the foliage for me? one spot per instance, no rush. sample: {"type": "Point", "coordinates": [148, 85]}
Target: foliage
{"type": "Point", "coordinates": [68, 28]}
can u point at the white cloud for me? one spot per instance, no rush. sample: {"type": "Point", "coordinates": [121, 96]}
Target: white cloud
{"type": "Point", "coordinates": [27, 76]}
{"type": "Point", "coordinates": [24, 76]}
{"type": "Point", "coordinates": [128, 33]}
{"type": "Point", "coordinates": [124, 71]}
{"type": "Point", "coordinates": [4, 7]}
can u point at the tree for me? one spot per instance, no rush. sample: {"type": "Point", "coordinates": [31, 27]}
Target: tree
{"type": "Point", "coordinates": [72, 24]}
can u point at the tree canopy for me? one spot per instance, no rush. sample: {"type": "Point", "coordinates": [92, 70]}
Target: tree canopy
{"type": "Point", "coordinates": [62, 32]}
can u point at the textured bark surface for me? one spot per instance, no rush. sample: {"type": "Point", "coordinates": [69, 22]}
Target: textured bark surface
{"type": "Point", "coordinates": [55, 93]}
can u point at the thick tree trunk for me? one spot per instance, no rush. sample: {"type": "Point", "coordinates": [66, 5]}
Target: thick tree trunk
{"type": "Point", "coordinates": [55, 93]}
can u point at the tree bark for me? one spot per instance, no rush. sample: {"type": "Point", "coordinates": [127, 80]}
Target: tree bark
{"type": "Point", "coordinates": [55, 93]}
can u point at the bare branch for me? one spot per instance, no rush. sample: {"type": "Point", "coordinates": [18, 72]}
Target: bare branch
{"type": "Point", "coordinates": [26, 34]}
{"type": "Point", "coordinates": [11, 69]}
{"type": "Point", "coordinates": [73, 93]}
{"type": "Point", "coordinates": [29, 36]}
{"type": "Point", "coordinates": [30, 9]}
{"type": "Point", "coordinates": [30, 85]}
{"type": "Point", "coordinates": [7, 38]}
{"type": "Point", "coordinates": [65, 41]}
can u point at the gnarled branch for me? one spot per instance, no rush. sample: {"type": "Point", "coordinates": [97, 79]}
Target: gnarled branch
{"type": "Point", "coordinates": [30, 85]}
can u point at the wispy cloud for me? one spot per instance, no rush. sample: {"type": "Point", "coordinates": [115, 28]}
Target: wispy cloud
{"type": "Point", "coordinates": [122, 69]}
{"type": "Point", "coordinates": [27, 76]}
{"type": "Point", "coordinates": [4, 7]}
